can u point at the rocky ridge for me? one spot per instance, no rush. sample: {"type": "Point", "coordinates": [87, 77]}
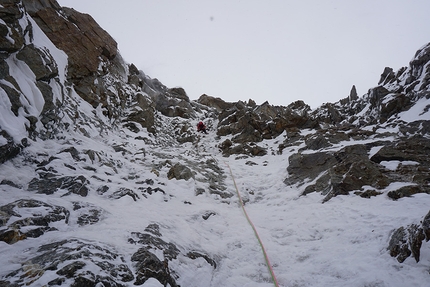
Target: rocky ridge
{"type": "Point", "coordinates": [81, 95]}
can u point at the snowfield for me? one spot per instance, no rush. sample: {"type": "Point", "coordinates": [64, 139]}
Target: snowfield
{"type": "Point", "coordinates": [342, 242]}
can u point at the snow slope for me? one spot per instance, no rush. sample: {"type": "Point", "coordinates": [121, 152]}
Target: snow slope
{"type": "Point", "coordinates": [339, 243]}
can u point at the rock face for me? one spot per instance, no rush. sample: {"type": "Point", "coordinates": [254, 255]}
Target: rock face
{"type": "Point", "coordinates": [406, 242]}
{"type": "Point", "coordinates": [83, 96]}
{"type": "Point", "coordinates": [91, 51]}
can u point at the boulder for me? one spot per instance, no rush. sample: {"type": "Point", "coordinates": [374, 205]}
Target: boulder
{"type": "Point", "coordinates": [406, 191]}
{"type": "Point", "coordinates": [426, 226]}
{"type": "Point", "coordinates": [405, 242]}
{"type": "Point", "coordinates": [398, 246]}
{"type": "Point", "coordinates": [174, 106]}
{"type": "Point", "coordinates": [213, 102]}
{"type": "Point", "coordinates": [148, 265]}
{"type": "Point", "coordinates": [179, 171]}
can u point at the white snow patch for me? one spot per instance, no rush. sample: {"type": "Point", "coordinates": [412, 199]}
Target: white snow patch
{"type": "Point", "coordinates": [419, 111]}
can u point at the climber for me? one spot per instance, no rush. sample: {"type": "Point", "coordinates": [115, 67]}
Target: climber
{"type": "Point", "coordinates": [201, 127]}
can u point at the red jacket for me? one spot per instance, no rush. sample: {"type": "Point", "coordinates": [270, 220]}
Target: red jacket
{"type": "Point", "coordinates": [201, 126]}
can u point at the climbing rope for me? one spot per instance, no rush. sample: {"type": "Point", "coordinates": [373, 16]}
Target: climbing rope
{"type": "Point", "coordinates": [269, 266]}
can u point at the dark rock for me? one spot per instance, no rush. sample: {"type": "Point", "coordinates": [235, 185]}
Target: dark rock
{"type": "Point", "coordinates": [87, 213]}
{"type": "Point", "coordinates": [398, 246]}
{"type": "Point", "coordinates": [143, 114]}
{"type": "Point", "coordinates": [13, 94]}
{"type": "Point", "coordinates": [11, 236]}
{"type": "Point", "coordinates": [170, 251]}
{"type": "Point", "coordinates": [194, 255]}
{"type": "Point", "coordinates": [9, 150]}
{"type": "Point", "coordinates": [10, 183]}
{"type": "Point", "coordinates": [353, 94]}
{"type": "Point", "coordinates": [394, 106]}
{"type": "Point", "coordinates": [40, 62]}
{"type": "Point", "coordinates": [179, 171]}
{"type": "Point", "coordinates": [339, 173]}
{"type": "Point", "coordinates": [386, 76]}
{"type": "Point", "coordinates": [121, 149]}
{"type": "Point", "coordinates": [353, 171]}
{"type": "Point", "coordinates": [251, 149]}
{"type": "Point", "coordinates": [317, 143]}
{"type": "Point", "coordinates": [376, 95]}
{"type": "Point", "coordinates": [29, 226]}
{"type": "Point", "coordinates": [416, 237]}
{"type": "Point", "coordinates": [213, 102]}
{"type": "Point", "coordinates": [92, 55]}
{"type": "Point", "coordinates": [124, 192]}
{"type": "Point", "coordinates": [154, 229]}
{"type": "Point", "coordinates": [73, 152]}
{"type": "Point", "coordinates": [179, 93]}
{"type": "Point", "coordinates": [416, 148]}
{"type": "Point", "coordinates": [174, 106]}
{"type": "Point", "coordinates": [69, 270]}
{"type": "Point", "coordinates": [426, 226]}
{"type": "Point", "coordinates": [73, 255]}
{"type": "Point", "coordinates": [147, 266]}
{"type": "Point", "coordinates": [250, 124]}
{"type": "Point", "coordinates": [208, 214]}
{"type": "Point", "coordinates": [102, 189]}
{"type": "Point", "coordinates": [199, 191]}
{"type": "Point", "coordinates": [330, 114]}
{"type": "Point", "coordinates": [303, 166]}
{"type": "Point", "coordinates": [49, 115]}
{"type": "Point", "coordinates": [11, 12]}
{"type": "Point", "coordinates": [405, 242]}
{"type": "Point", "coordinates": [83, 282]}
{"type": "Point", "coordinates": [406, 191]}
{"type": "Point", "coordinates": [368, 193]}
{"type": "Point", "coordinates": [77, 34]}
{"type": "Point", "coordinates": [226, 144]}
{"type": "Point", "coordinates": [50, 183]}
{"type": "Point", "coordinates": [149, 190]}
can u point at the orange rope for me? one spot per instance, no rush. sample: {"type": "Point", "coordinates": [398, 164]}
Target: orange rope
{"type": "Point", "coordinates": [269, 266]}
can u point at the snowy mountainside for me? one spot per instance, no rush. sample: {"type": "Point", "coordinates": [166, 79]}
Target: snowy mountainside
{"type": "Point", "coordinates": [104, 180]}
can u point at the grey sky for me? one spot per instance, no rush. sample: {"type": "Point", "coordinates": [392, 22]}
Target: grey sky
{"type": "Point", "coordinates": [275, 50]}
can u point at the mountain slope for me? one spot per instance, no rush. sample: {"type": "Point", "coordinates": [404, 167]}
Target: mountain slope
{"type": "Point", "coordinates": [105, 182]}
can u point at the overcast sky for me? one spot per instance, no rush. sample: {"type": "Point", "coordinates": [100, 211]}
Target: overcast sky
{"type": "Point", "coordinates": [275, 50]}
